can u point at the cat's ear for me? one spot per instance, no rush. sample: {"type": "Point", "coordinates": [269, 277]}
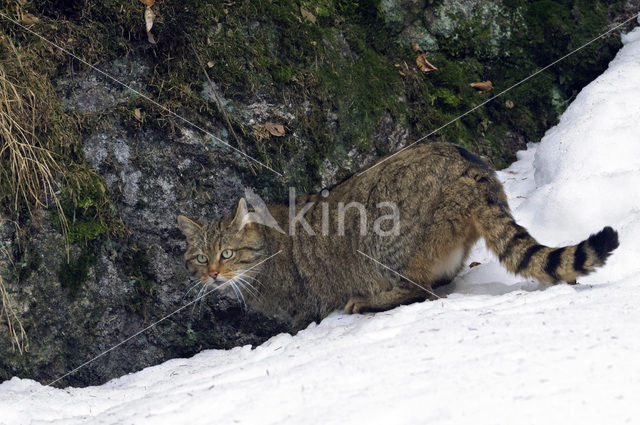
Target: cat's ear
{"type": "Point", "coordinates": [241, 216]}
{"type": "Point", "coordinates": [188, 226]}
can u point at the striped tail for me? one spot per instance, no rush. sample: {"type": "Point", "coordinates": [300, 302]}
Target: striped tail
{"type": "Point", "coordinates": [520, 253]}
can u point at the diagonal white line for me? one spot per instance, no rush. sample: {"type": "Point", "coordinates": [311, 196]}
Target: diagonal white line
{"type": "Point", "coordinates": [164, 108]}
{"type": "Point", "coordinates": [502, 92]}
{"type": "Point", "coordinates": [393, 271]}
{"type": "Point", "coordinates": [155, 323]}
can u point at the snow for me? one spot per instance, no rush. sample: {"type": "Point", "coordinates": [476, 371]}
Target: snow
{"type": "Point", "coordinates": [498, 350]}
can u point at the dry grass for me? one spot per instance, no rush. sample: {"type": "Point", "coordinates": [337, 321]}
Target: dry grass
{"type": "Point", "coordinates": [17, 334]}
{"type": "Point", "coordinates": [29, 171]}
{"type": "Point", "coordinates": [29, 168]}
{"type": "Point", "coordinates": [41, 164]}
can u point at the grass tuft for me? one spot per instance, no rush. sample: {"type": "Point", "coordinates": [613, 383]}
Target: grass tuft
{"type": "Point", "coordinates": [17, 334]}
{"type": "Point", "coordinates": [29, 168]}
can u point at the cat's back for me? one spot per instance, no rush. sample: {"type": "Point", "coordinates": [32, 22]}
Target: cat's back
{"type": "Point", "coordinates": [430, 155]}
{"type": "Point", "coordinates": [426, 168]}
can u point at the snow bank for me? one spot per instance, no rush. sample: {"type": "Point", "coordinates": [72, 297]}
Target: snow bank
{"type": "Point", "coordinates": [497, 350]}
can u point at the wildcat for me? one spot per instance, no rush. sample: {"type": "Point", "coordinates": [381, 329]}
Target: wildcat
{"type": "Point", "coordinates": [447, 198]}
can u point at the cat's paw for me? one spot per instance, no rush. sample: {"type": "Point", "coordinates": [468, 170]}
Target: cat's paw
{"type": "Point", "coordinates": [356, 305]}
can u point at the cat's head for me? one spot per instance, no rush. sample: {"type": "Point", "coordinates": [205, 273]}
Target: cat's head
{"type": "Point", "coordinates": [223, 250]}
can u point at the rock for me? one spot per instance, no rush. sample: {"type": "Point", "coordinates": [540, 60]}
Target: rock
{"type": "Point", "coordinates": [110, 290]}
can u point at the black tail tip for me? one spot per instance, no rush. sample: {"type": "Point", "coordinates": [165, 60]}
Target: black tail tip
{"type": "Point", "coordinates": [603, 242]}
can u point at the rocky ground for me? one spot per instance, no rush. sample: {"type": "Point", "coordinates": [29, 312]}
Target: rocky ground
{"type": "Point", "coordinates": [341, 78]}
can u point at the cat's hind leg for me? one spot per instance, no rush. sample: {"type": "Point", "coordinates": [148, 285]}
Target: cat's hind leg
{"type": "Point", "coordinates": [388, 299]}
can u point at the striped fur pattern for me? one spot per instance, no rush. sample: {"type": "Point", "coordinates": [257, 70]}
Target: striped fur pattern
{"type": "Point", "coordinates": [448, 198]}
{"type": "Point", "coordinates": [520, 253]}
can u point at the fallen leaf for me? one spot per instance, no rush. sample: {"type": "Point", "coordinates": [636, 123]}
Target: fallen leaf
{"type": "Point", "coordinates": [148, 2]}
{"type": "Point", "coordinates": [210, 64]}
{"type": "Point", "coordinates": [29, 19]}
{"type": "Point", "coordinates": [424, 64]}
{"type": "Point", "coordinates": [138, 114]}
{"type": "Point", "coordinates": [509, 104]}
{"type": "Point", "coordinates": [415, 47]}
{"type": "Point", "coordinates": [274, 129]}
{"type": "Point", "coordinates": [482, 85]}
{"type": "Point", "coordinates": [149, 16]}
{"type": "Point", "coordinates": [308, 15]}
{"type": "Point", "coordinates": [474, 264]}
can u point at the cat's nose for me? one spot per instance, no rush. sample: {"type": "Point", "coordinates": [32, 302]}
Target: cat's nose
{"type": "Point", "coordinates": [213, 273]}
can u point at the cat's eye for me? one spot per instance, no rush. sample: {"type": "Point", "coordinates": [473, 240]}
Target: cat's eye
{"type": "Point", "coordinates": [202, 259]}
{"type": "Point", "coordinates": [226, 254]}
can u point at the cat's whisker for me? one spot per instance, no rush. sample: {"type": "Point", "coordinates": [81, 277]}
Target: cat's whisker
{"type": "Point", "coordinates": [238, 291]}
{"type": "Point", "coordinates": [246, 274]}
{"type": "Point", "coordinates": [244, 302]}
{"type": "Point", "coordinates": [204, 293]}
{"type": "Point", "coordinates": [202, 290]}
{"type": "Point", "coordinates": [252, 278]}
{"type": "Point", "coordinates": [195, 303]}
{"type": "Point", "coordinates": [248, 286]}
{"type": "Point", "coordinates": [248, 290]}
{"type": "Point", "coordinates": [199, 297]}
{"type": "Point", "coordinates": [192, 288]}
{"type": "Point", "coordinates": [235, 290]}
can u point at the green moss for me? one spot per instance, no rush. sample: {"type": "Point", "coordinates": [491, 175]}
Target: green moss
{"type": "Point", "coordinates": [82, 209]}
{"type": "Point", "coordinates": [479, 49]}
{"type": "Point", "coordinates": [30, 262]}
{"type": "Point", "coordinates": [281, 73]}
{"type": "Point", "coordinates": [340, 62]}
{"type": "Point", "coordinates": [494, 139]}
{"type": "Point", "coordinates": [363, 88]}
{"type": "Point", "coordinates": [89, 212]}
{"type": "Point", "coordinates": [192, 335]}
{"type": "Point", "coordinates": [141, 279]}
{"type": "Point", "coordinates": [73, 274]}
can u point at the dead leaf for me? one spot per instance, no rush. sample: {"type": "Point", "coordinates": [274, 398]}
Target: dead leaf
{"type": "Point", "coordinates": [415, 47]}
{"type": "Point", "coordinates": [274, 129]}
{"type": "Point", "coordinates": [138, 114]}
{"type": "Point", "coordinates": [210, 64]}
{"type": "Point", "coordinates": [474, 264]}
{"type": "Point", "coordinates": [148, 3]}
{"type": "Point", "coordinates": [509, 104]}
{"type": "Point", "coordinates": [149, 16]}
{"type": "Point", "coordinates": [424, 64]}
{"type": "Point", "coordinates": [482, 85]}
{"type": "Point", "coordinates": [308, 15]}
{"type": "Point", "coordinates": [29, 19]}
